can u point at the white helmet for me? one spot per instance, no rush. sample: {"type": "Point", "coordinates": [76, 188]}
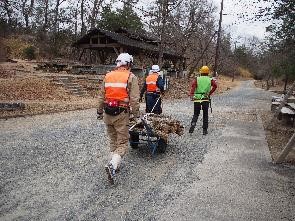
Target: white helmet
{"type": "Point", "coordinates": [155, 68]}
{"type": "Point", "coordinates": [124, 59]}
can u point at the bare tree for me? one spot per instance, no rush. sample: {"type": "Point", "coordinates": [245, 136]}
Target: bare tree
{"type": "Point", "coordinates": [82, 11]}
{"type": "Point", "coordinates": [27, 11]}
{"type": "Point", "coordinates": [8, 8]}
{"type": "Point", "coordinates": [46, 12]}
{"type": "Point", "coordinates": [94, 12]}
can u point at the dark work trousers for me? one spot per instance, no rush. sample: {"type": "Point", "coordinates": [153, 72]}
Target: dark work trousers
{"type": "Point", "coordinates": [197, 108]}
{"type": "Point", "coordinates": [151, 100]}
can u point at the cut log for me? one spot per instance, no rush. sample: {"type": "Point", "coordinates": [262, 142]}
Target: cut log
{"type": "Point", "coordinates": [161, 125]}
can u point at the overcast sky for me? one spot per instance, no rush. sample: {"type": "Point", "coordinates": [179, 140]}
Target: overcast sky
{"type": "Point", "coordinates": [237, 26]}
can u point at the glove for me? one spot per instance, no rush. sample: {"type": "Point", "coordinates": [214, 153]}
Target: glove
{"type": "Point", "coordinates": [99, 115]}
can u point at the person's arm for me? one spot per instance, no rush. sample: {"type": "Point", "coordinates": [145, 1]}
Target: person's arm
{"type": "Point", "coordinates": [101, 98]}
{"type": "Point", "coordinates": [143, 90]}
{"type": "Point", "coordinates": [133, 94]}
{"type": "Point", "coordinates": [213, 86]}
{"type": "Point", "coordinates": [160, 84]}
{"type": "Point", "coordinates": [193, 87]}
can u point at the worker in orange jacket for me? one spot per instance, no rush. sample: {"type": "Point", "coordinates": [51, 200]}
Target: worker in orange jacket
{"type": "Point", "coordinates": [153, 87]}
{"type": "Point", "coordinates": [119, 98]}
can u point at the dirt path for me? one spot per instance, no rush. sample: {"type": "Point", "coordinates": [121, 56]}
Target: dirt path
{"type": "Point", "coordinates": [52, 169]}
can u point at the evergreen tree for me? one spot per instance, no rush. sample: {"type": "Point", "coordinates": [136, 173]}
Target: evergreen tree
{"type": "Point", "coordinates": [122, 18]}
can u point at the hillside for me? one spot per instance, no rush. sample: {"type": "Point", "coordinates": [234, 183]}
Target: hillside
{"type": "Point", "coordinates": [43, 92]}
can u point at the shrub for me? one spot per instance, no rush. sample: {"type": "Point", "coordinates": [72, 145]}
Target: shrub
{"type": "Point", "coordinates": [15, 47]}
{"type": "Point", "coordinates": [29, 52]}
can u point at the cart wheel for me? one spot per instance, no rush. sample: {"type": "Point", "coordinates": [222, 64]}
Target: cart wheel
{"type": "Point", "coordinates": [162, 145]}
{"type": "Point", "coordinates": [133, 140]}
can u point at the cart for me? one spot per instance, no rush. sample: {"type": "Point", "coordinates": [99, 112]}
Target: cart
{"type": "Point", "coordinates": [143, 133]}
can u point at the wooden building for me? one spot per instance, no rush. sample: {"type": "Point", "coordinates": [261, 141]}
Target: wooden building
{"type": "Point", "coordinates": [102, 47]}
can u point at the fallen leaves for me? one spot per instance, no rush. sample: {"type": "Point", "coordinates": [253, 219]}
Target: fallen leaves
{"type": "Point", "coordinates": [32, 88]}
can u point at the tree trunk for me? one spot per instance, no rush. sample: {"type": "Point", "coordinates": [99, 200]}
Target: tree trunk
{"type": "Point", "coordinates": [27, 12]}
{"type": "Point", "coordinates": [286, 83]}
{"type": "Point", "coordinates": [267, 82]}
{"type": "Point", "coordinates": [45, 25]}
{"type": "Point", "coordinates": [162, 32]}
{"type": "Point", "coordinates": [55, 23]}
{"type": "Point", "coordinates": [201, 56]}
{"type": "Point", "coordinates": [82, 18]}
{"type": "Point", "coordinates": [218, 42]}
{"type": "Point", "coordinates": [76, 23]}
{"type": "Point", "coordinates": [272, 81]}
{"type": "Point", "coordinates": [8, 11]}
{"type": "Point", "coordinates": [94, 13]}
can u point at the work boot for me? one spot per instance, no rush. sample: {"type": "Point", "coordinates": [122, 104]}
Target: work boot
{"type": "Point", "coordinates": [191, 129]}
{"type": "Point", "coordinates": [111, 172]}
{"type": "Point", "coordinates": [205, 131]}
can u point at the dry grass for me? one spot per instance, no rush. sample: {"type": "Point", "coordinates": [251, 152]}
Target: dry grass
{"type": "Point", "coordinates": [278, 135]}
{"type": "Point", "coordinates": [225, 83]}
{"type": "Point", "coordinates": [32, 88]}
{"type": "Point", "coordinates": [16, 46]}
{"type": "Point", "coordinates": [245, 73]}
{"type": "Point", "coordinates": [279, 132]}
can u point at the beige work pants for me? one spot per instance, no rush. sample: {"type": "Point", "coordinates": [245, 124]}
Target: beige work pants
{"type": "Point", "coordinates": [117, 129]}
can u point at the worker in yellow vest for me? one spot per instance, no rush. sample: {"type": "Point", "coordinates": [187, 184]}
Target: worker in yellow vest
{"type": "Point", "coordinates": [153, 87]}
{"type": "Point", "coordinates": [119, 98]}
{"type": "Point", "coordinates": [201, 90]}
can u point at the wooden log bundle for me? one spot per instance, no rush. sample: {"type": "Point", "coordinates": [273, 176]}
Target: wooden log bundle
{"type": "Point", "coordinates": [161, 125]}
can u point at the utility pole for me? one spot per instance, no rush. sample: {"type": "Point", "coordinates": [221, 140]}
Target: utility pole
{"type": "Point", "coordinates": [218, 42]}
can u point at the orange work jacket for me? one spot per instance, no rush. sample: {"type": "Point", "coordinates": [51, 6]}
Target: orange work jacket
{"type": "Point", "coordinates": [116, 83]}
{"type": "Point", "coordinates": [151, 82]}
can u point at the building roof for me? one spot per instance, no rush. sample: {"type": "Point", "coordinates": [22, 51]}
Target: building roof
{"type": "Point", "coordinates": [127, 38]}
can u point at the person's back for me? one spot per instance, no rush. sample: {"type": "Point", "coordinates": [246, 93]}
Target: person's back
{"type": "Point", "coordinates": [119, 97]}
{"type": "Point", "coordinates": [153, 87]}
{"type": "Point", "coordinates": [200, 93]}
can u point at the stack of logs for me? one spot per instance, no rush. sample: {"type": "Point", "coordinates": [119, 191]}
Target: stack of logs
{"type": "Point", "coordinates": [161, 125]}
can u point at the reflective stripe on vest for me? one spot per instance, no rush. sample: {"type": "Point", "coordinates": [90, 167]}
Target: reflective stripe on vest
{"type": "Point", "coordinates": [116, 83]}
{"type": "Point", "coordinates": [151, 83]}
{"type": "Point", "coordinates": [203, 88]}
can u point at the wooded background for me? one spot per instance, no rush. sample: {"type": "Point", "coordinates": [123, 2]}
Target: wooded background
{"type": "Point", "coordinates": [46, 29]}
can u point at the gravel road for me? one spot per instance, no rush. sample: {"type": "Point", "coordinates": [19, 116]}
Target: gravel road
{"type": "Point", "coordinates": [52, 166]}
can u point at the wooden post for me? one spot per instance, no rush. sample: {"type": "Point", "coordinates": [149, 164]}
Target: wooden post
{"type": "Point", "coordinates": [286, 149]}
{"type": "Point", "coordinates": [81, 54]}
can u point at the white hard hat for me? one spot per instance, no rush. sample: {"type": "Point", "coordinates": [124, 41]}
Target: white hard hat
{"type": "Point", "coordinates": [124, 59]}
{"type": "Point", "coordinates": [155, 68]}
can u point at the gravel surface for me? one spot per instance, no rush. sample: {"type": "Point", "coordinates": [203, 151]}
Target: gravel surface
{"type": "Point", "coordinates": [52, 166]}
